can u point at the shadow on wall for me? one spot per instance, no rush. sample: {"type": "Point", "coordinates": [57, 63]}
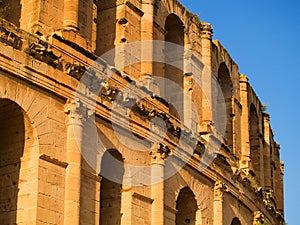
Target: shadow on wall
{"type": "Point", "coordinates": [186, 205]}
{"type": "Point", "coordinates": [12, 138]}
{"type": "Point", "coordinates": [235, 221]}
{"type": "Point", "coordinates": [112, 171]}
{"type": "Point", "coordinates": [174, 34]}
{"type": "Point", "coordinates": [10, 10]}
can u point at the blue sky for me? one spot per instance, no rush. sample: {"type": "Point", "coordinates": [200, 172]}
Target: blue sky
{"type": "Point", "coordinates": [263, 37]}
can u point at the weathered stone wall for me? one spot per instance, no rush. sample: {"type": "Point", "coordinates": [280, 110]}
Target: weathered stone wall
{"type": "Point", "coordinates": [44, 128]}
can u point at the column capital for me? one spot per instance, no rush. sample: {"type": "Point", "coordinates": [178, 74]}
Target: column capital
{"type": "Point", "coordinates": [159, 153]}
{"type": "Point", "coordinates": [219, 189]}
{"type": "Point", "coordinates": [244, 78]}
{"type": "Point", "coordinates": [206, 30]}
{"type": "Point", "coordinates": [259, 218]}
{"type": "Point", "coordinates": [77, 112]}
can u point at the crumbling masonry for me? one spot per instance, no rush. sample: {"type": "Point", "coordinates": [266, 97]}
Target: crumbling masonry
{"type": "Point", "coordinates": [47, 47]}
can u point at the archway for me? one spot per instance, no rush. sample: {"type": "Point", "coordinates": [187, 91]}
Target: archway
{"type": "Point", "coordinates": [186, 206]}
{"type": "Point", "coordinates": [174, 64]}
{"type": "Point", "coordinates": [254, 141]}
{"type": "Point", "coordinates": [112, 171]}
{"type": "Point", "coordinates": [227, 88]}
{"type": "Point", "coordinates": [235, 221]}
{"type": "Point", "coordinates": [10, 10]}
{"type": "Point", "coordinates": [17, 163]}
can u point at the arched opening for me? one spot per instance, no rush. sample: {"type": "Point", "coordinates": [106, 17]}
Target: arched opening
{"type": "Point", "coordinates": [112, 171]}
{"type": "Point", "coordinates": [254, 141]}
{"type": "Point", "coordinates": [16, 164]}
{"type": "Point", "coordinates": [174, 64]}
{"type": "Point", "coordinates": [235, 221]}
{"type": "Point", "coordinates": [12, 136]}
{"type": "Point", "coordinates": [10, 10]}
{"type": "Point", "coordinates": [227, 88]}
{"type": "Point", "coordinates": [186, 206]}
{"type": "Point", "coordinates": [105, 26]}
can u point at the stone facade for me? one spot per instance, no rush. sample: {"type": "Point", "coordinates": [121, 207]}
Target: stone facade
{"type": "Point", "coordinates": [53, 96]}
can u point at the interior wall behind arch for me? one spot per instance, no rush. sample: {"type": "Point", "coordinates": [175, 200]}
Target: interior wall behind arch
{"type": "Point", "coordinates": [12, 137]}
{"type": "Point", "coordinates": [225, 98]}
{"type": "Point", "coordinates": [10, 10]}
{"type": "Point", "coordinates": [186, 205]}
{"type": "Point", "coordinates": [18, 165]}
{"type": "Point", "coordinates": [112, 171]}
{"type": "Point", "coordinates": [173, 73]}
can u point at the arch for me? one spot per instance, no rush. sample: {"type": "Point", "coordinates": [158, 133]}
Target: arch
{"type": "Point", "coordinates": [10, 10]}
{"type": "Point", "coordinates": [186, 206]}
{"type": "Point", "coordinates": [174, 54]}
{"type": "Point", "coordinates": [254, 140]}
{"type": "Point", "coordinates": [236, 221]}
{"type": "Point", "coordinates": [18, 161]}
{"type": "Point", "coordinates": [226, 85]}
{"type": "Point", "coordinates": [112, 171]}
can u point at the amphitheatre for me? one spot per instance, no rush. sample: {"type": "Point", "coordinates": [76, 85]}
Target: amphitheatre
{"type": "Point", "coordinates": [128, 112]}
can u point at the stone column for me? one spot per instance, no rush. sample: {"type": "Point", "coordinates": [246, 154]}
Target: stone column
{"type": "Point", "coordinates": [97, 201]}
{"type": "Point", "coordinates": [278, 179]}
{"type": "Point", "coordinates": [206, 79]}
{"type": "Point", "coordinates": [245, 162]}
{"type": "Point", "coordinates": [159, 154]}
{"type": "Point", "coordinates": [76, 115]}
{"type": "Point", "coordinates": [71, 14]}
{"type": "Point", "coordinates": [198, 216]}
{"type": "Point", "coordinates": [280, 196]}
{"type": "Point", "coordinates": [267, 156]}
{"type": "Point", "coordinates": [147, 35]}
{"type": "Point", "coordinates": [147, 51]}
{"type": "Point", "coordinates": [219, 190]}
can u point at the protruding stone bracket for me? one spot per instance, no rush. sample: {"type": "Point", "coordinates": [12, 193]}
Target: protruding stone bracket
{"type": "Point", "coordinates": [206, 127]}
{"type": "Point", "coordinates": [200, 148]}
{"type": "Point", "coordinates": [268, 200]}
{"type": "Point", "coordinates": [282, 168]}
{"type": "Point", "coordinates": [42, 51]}
{"type": "Point", "coordinates": [109, 92]}
{"type": "Point", "coordinates": [75, 70]}
{"type": "Point", "coordinates": [10, 38]}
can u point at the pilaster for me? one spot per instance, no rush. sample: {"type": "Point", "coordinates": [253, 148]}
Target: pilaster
{"type": "Point", "coordinates": [279, 172]}
{"type": "Point", "coordinates": [267, 156]}
{"type": "Point", "coordinates": [219, 190]}
{"type": "Point", "coordinates": [198, 216]}
{"type": "Point", "coordinates": [280, 197]}
{"type": "Point", "coordinates": [147, 48]}
{"type": "Point", "coordinates": [245, 161]}
{"type": "Point", "coordinates": [71, 14]}
{"type": "Point", "coordinates": [159, 154]}
{"type": "Point", "coordinates": [207, 107]}
{"type": "Point", "coordinates": [147, 35]}
{"type": "Point", "coordinates": [76, 115]}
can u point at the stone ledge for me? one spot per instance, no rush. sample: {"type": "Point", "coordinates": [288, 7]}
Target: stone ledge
{"type": "Point", "coordinates": [53, 161]}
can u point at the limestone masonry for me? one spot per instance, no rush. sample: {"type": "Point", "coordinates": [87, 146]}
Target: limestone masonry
{"type": "Point", "coordinates": [127, 112]}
